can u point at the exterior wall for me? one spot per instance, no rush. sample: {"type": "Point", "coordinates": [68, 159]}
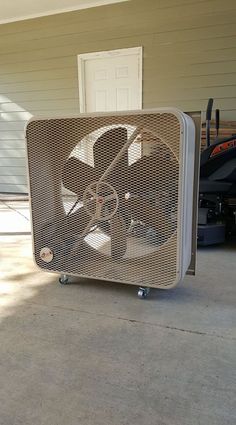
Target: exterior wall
{"type": "Point", "coordinates": [189, 55]}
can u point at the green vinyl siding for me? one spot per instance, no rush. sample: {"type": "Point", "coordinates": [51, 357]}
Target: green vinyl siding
{"type": "Point", "coordinates": [189, 55]}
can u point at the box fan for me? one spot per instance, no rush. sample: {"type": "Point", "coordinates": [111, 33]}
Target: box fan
{"type": "Point", "coordinates": [112, 195]}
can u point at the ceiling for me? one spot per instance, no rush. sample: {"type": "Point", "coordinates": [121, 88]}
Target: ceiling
{"type": "Point", "coordinates": [17, 10]}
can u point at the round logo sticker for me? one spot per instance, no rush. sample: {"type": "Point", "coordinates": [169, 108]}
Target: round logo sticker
{"type": "Point", "coordinates": [46, 254]}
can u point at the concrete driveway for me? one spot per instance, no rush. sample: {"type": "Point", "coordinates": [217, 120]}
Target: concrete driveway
{"type": "Point", "coordinates": [92, 353]}
{"type": "Point", "coordinates": [14, 216]}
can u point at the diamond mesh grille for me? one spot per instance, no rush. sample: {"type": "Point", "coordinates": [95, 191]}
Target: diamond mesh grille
{"type": "Point", "coordinates": [105, 196]}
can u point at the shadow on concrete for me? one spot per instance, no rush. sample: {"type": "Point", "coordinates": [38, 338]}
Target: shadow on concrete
{"type": "Point", "coordinates": [92, 353]}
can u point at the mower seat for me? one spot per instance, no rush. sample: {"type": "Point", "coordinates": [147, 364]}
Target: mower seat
{"type": "Point", "coordinates": [209, 186]}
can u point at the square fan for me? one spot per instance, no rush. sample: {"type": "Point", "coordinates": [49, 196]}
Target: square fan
{"type": "Point", "coordinates": [112, 194]}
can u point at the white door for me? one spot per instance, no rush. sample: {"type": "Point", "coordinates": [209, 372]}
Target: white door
{"type": "Point", "coordinates": [111, 81]}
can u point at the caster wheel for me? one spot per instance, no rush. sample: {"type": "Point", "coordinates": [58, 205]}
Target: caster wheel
{"type": "Point", "coordinates": [63, 279]}
{"type": "Point", "coordinates": [143, 292]}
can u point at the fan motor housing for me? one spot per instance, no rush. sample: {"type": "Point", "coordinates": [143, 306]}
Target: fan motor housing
{"type": "Point", "coordinates": [111, 195]}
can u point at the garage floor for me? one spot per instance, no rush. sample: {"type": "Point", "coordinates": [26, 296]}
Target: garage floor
{"type": "Point", "coordinates": [94, 354]}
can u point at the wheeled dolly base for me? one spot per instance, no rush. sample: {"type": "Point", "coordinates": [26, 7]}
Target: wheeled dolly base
{"type": "Point", "coordinates": [143, 292]}
{"type": "Point", "coordinates": [63, 279]}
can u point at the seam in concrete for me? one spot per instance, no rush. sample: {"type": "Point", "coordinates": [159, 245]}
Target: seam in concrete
{"type": "Point", "coordinates": [13, 209]}
{"type": "Point", "coordinates": [140, 322]}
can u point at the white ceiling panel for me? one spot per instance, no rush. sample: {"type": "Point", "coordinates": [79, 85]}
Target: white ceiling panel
{"type": "Point", "coordinates": [17, 10]}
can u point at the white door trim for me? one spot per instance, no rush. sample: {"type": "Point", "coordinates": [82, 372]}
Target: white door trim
{"type": "Point", "coordinates": [106, 54]}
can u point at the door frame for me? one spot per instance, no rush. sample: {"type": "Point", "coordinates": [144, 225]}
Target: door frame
{"type": "Point", "coordinates": [82, 58]}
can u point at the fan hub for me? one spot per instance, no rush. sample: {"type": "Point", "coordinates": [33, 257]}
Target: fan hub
{"type": "Point", "coordinates": [100, 201]}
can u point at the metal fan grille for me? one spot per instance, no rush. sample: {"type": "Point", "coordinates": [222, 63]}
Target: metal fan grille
{"type": "Point", "coordinates": [105, 196]}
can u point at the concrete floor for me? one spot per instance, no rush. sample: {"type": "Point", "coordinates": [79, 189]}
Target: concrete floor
{"type": "Point", "coordinates": [92, 353]}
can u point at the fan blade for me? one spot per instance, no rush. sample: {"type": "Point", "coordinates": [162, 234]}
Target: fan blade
{"type": "Point", "coordinates": [151, 172]}
{"type": "Point", "coordinates": [66, 227]}
{"type": "Point", "coordinates": [150, 215]}
{"type": "Point", "coordinates": [78, 225]}
{"type": "Point", "coordinates": [77, 175]}
{"type": "Point", "coordinates": [118, 236]}
{"type": "Point", "coordinates": [75, 223]}
{"type": "Point", "coordinates": [105, 149]}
